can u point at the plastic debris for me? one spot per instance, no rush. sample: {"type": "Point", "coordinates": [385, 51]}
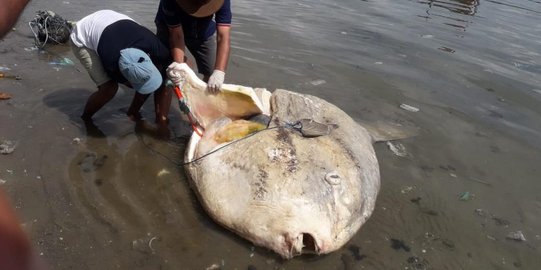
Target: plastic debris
{"type": "Point", "coordinates": [213, 267]}
{"type": "Point", "coordinates": [407, 189]}
{"type": "Point", "coordinates": [397, 148]}
{"type": "Point", "coordinates": [517, 236]}
{"type": "Point", "coordinates": [427, 36]}
{"type": "Point", "coordinates": [3, 68]}
{"type": "Point", "coordinates": [76, 140]}
{"type": "Point", "coordinates": [62, 62]}
{"type": "Point", "coordinates": [4, 96]}
{"type": "Point", "coordinates": [409, 108]}
{"type": "Point", "coordinates": [465, 196]}
{"type": "Point", "coordinates": [7, 147]}
{"type": "Point", "coordinates": [144, 244]}
{"type": "Point", "coordinates": [378, 63]}
{"type": "Point", "coordinates": [163, 172]}
{"type": "Point", "coordinates": [2, 181]}
{"type": "Point", "coordinates": [31, 49]}
{"type": "Point", "coordinates": [5, 76]}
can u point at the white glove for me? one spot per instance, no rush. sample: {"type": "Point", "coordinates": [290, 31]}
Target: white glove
{"type": "Point", "coordinates": [174, 74]}
{"type": "Point", "coordinates": [215, 81]}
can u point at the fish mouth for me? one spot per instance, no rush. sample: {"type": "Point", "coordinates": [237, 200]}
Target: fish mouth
{"type": "Point", "coordinates": [309, 245]}
{"type": "Point", "coordinates": [303, 243]}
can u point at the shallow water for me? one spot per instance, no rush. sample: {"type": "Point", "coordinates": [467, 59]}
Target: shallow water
{"type": "Point", "coordinates": [115, 198]}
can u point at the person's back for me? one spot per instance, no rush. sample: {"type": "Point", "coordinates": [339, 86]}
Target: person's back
{"type": "Point", "coordinates": [88, 30]}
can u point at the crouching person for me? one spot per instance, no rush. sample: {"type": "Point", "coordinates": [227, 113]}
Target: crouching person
{"type": "Point", "coordinates": [115, 49]}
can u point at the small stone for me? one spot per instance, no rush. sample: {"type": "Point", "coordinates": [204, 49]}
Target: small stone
{"type": "Point", "coordinates": [317, 82]}
{"type": "Point", "coordinates": [7, 147]}
{"type": "Point", "coordinates": [517, 236]}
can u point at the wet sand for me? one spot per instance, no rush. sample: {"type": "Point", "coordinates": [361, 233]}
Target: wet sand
{"type": "Point", "coordinates": [112, 196]}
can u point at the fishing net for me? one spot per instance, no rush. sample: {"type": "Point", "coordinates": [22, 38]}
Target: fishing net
{"type": "Point", "coordinates": [49, 27]}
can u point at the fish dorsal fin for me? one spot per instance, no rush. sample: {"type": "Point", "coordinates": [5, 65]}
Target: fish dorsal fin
{"type": "Point", "coordinates": [387, 131]}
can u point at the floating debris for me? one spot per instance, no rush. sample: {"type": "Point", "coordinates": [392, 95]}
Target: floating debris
{"type": "Point", "coordinates": [409, 108]}
{"type": "Point", "coordinates": [446, 49]}
{"type": "Point", "coordinates": [378, 63]}
{"type": "Point", "coordinates": [76, 140]}
{"type": "Point", "coordinates": [4, 96]}
{"type": "Point", "coordinates": [144, 244]}
{"type": "Point", "coordinates": [5, 76]}
{"type": "Point", "coordinates": [317, 82]}
{"type": "Point", "coordinates": [213, 267]}
{"type": "Point", "coordinates": [427, 36]}
{"type": "Point", "coordinates": [150, 243]}
{"type": "Point", "coordinates": [2, 181]}
{"type": "Point", "coordinates": [163, 172]}
{"type": "Point", "coordinates": [466, 196]}
{"type": "Point", "coordinates": [397, 148]}
{"type": "Point", "coordinates": [407, 189]}
{"type": "Point", "coordinates": [4, 68]}
{"type": "Point", "coordinates": [31, 49]}
{"type": "Point", "coordinates": [7, 147]}
{"type": "Point", "coordinates": [62, 62]}
{"type": "Point", "coordinates": [517, 236]}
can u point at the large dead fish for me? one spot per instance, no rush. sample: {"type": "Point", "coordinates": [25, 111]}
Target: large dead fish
{"type": "Point", "coordinates": [304, 184]}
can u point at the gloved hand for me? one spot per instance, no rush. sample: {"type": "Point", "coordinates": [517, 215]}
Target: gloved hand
{"type": "Point", "coordinates": [173, 74]}
{"type": "Point", "coordinates": [215, 81]}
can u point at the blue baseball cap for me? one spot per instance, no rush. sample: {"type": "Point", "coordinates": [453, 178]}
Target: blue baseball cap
{"type": "Point", "coordinates": [139, 70]}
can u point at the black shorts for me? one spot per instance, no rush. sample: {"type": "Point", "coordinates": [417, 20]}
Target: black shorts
{"type": "Point", "coordinates": [204, 51]}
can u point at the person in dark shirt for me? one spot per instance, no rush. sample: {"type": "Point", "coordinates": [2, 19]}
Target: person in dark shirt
{"type": "Point", "coordinates": [115, 49]}
{"type": "Point", "coordinates": [192, 24]}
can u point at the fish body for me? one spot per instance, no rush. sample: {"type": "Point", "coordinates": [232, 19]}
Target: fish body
{"type": "Point", "coordinates": [279, 189]}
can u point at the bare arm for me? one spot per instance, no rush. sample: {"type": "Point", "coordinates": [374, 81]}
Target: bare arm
{"type": "Point", "coordinates": [176, 43]}
{"type": "Point", "coordinates": [162, 102]}
{"type": "Point", "coordinates": [9, 13]}
{"type": "Point", "coordinates": [223, 47]}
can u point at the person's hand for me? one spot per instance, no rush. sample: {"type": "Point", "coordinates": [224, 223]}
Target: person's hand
{"type": "Point", "coordinates": [174, 74]}
{"type": "Point", "coordinates": [215, 81]}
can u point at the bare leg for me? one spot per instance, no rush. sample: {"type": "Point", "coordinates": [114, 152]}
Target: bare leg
{"type": "Point", "coordinates": [97, 100]}
{"type": "Point", "coordinates": [162, 103]}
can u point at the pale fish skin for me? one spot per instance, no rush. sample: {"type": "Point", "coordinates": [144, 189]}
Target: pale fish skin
{"type": "Point", "coordinates": [289, 193]}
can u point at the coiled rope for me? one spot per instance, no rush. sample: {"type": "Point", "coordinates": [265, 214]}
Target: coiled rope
{"type": "Point", "coordinates": [49, 27]}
